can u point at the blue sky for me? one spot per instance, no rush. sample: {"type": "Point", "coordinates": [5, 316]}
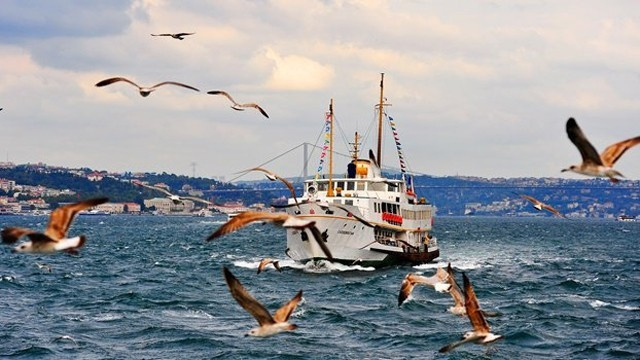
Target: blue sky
{"type": "Point", "coordinates": [479, 88]}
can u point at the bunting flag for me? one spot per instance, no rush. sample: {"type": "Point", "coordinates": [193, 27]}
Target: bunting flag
{"type": "Point", "coordinates": [403, 165]}
{"type": "Point", "coordinates": [325, 146]}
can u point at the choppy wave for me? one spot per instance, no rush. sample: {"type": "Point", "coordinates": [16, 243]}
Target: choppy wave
{"type": "Point", "coordinates": [150, 287]}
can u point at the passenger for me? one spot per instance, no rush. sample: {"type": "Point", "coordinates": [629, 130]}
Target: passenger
{"type": "Point", "coordinates": [351, 170]}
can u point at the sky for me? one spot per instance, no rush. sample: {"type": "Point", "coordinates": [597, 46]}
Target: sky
{"type": "Point", "coordinates": [477, 87]}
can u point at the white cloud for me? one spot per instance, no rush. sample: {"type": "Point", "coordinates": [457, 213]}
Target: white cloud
{"type": "Point", "coordinates": [295, 72]}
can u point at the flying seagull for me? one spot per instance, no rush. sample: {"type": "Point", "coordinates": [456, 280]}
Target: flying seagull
{"type": "Point", "coordinates": [269, 325]}
{"type": "Point", "coordinates": [179, 36]}
{"type": "Point", "coordinates": [280, 218]}
{"type": "Point", "coordinates": [273, 177]}
{"type": "Point", "coordinates": [481, 333]}
{"type": "Point", "coordinates": [592, 163]}
{"type": "Point", "coordinates": [237, 106]}
{"type": "Point", "coordinates": [175, 198]}
{"type": "Point", "coordinates": [267, 261]}
{"type": "Point", "coordinates": [144, 91]}
{"type": "Point", "coordinates": [458, 296]}
{"type": "Point", "coordinates": [54, 237]}
{"type": "Point", "coordinates": [437, 281]}
{"type": "Point", "coordinates": [539, 205]}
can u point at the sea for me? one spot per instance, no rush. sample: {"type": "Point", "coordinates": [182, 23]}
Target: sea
{"type": "Point", "coordinates": [150, 287]}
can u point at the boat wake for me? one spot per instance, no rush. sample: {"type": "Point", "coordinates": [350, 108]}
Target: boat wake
{"type": "Point", "coordinates": [313, 267]}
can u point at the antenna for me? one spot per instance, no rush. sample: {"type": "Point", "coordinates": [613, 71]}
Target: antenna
{"type": "Point", "coordinates": [193, 169]}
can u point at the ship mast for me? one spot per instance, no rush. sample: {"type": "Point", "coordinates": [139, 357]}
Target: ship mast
{"type": "Point", "coordinates": [380, 111]}
{"type": "Point", "coordinates": [330, 189]}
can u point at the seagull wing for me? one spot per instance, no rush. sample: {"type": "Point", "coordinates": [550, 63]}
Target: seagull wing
{"type": "Point", "coordinates": [245, 218]}
{"type": "Point", "coordinates": [283, 314]}
{"type": "Point", "coordinates": [271, 174]}
{"type": "Point", "coordinates": [61, 218]}
{"type": "Point", "coordinates": [406, 288]}
{"type": "Point", "coordinates": [531, 199]}
{"type": "Point", "coordinates": [110, 81]}
{"type": "Point", "coordinates": [254, 105]}
{"type": "Point", "coordinates": [183, 34]}
{"type": "Point", "coordinates": [455, 344]}
{"type": "Point", "coordinates": [474, 313]}
{"type": "Point", "coordinates": [318, 236]}
{"type": "Point", "coordinates": [12, 234]}
{"type": "Point", "coordinates": [577, 137]}
{"type": "Point", "coordinates": [174, 83]}
{"type": "Point", "coordinates": [161, 34]}
{"type": "Point", "coordinates": [263, 263]}
{"type": "Point", "coordinates": [613, 152]}
{"type": "Point", "coordinates": [552, 210]}
{"type": "Point", "coordinates": [247, 301]}
{"type": "Point", "coordinates": [197, 199]}
{"type": "Point", "coordinates": [362, 220]}
{"type": "Point", "coordinates": [456, 293]}
{"type": "Point", "coordinates": [157, 188]}
{"type": "Point", "coordinates": [223, 93]}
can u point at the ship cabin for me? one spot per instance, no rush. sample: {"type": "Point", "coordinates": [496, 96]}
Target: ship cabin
{"type": "Point", "coordinates": [389, 203]}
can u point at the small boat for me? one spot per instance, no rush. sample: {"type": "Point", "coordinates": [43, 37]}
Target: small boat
{"type": "Point", "coordinates": [397, 223]}
{"type": "Point", "coordinates": [626, 218]}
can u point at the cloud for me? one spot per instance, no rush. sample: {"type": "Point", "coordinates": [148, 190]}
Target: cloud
{"type": "Point", "coordinates": [295, 72]}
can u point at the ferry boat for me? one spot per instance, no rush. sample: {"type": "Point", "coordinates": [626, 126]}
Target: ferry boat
{"type": "Point", "coordinates": [364, 218]}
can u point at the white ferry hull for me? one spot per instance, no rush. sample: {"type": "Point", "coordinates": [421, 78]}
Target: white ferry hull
{"type": "Point", "coordinates": [350, 241]}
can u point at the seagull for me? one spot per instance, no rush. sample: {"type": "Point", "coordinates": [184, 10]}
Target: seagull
{"type": "Point", "coordinates": [481, 333]}
{"type": "Point", "coordinates": [144, 91]}
{"type": "Point", "coordinates": [267, 261]}
{"type": "Point", "coordinates": [273, 177]}
{"type": "Point", "coordinates": [175, 198]}
{"type": "Point", "coordinates": [54, 237]}
{"type": "Point", "coordinates": [237, 106]}
{"type": "Point", "coordinates": [179, 36]}
{"type": "Point", "coordinates": [269, 325]}
{"type": "Point", "coordinates": [282, 219]}
{"type": "Point", "coordinates": [592, 163]}
{"type": "Point", "coordinates": [44, 267]}
{"type": "Point", "coordinates": [539, 205]}
{"type": "Point", "coordinates": [458, 296]}
{"type": "Point", "coordinates": [437, 281]}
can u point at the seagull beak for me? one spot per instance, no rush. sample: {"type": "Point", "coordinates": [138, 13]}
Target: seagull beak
{"type": "Point", "coordinates": [563, 170]}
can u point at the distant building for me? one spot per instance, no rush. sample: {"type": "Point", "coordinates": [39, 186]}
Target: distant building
{"type": "Point", "coordinates": [112, 208]}
{"type": "Point", "coordinates": [7, 185]}
{"type": "Point", "coordinates": [166, 206]}
{"type": "Point", "coordinates": [132, 207]}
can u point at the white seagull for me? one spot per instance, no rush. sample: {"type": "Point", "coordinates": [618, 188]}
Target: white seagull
{"type": "Point", "coordinates": [236, 105]}
{"type": "Point", "coordinates": [274, 177]}
{"type": "Point", "coordinates": [437, 281]}
{"type": "Point", "coordinates": [269, 325]}
{"type": "Point", "coordinates": [539, 205]}
{"type": "Point", "coordinates": [144, 91]}
{"type": "Point", "coordinates": [592, 163]}
{"type": "Point", "coordinates": [179, 36]}
{"type": "Point", "coordinates": [267, 261]}
{"type": "Point", "coordinates": [282, 219]}
{"type": "Point", "coordinates": [481, 333]}
{"type": "Point", "coordinates": [175, 198]}
{"type": "Point", "coordinates": [54, 237]}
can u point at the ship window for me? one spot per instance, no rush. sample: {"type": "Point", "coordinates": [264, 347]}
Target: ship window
{"type": "Point", "coordinates": [360, 185]}
{"type": "Point", "coordinates": [322, 186]}
{"type": "Point", "coordinates": [384, 207]}
{"type": "Point", "coordinates": [338, 184]}
{"type": "Point", "coordinates": [350, 185]}
{"type": "Point", "coordinates": [378, 186]}
{"type": "Point", "coordinates": [348, 202]}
